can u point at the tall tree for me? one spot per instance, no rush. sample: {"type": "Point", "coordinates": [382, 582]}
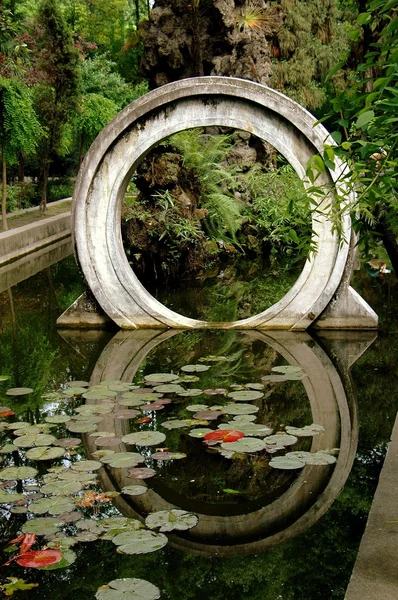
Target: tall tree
{"type": "Point", "coordinates": [57, 92]}
{"type": "Point", "coordinates": [20, 130]}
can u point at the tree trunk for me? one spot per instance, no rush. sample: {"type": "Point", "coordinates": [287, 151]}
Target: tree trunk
{"type": "Point", "coordinates": [4, 186]}
{"type": "Point", "coordinates": [137, 11]}
{"type": "Point", "coordinates": [45, 171]}
{"type": "Point", "coordinates": [21, 169]}
{"type": "Point", "coordinates": [197, 54]}
{"type": "Point", "coordinates": [389, 241]}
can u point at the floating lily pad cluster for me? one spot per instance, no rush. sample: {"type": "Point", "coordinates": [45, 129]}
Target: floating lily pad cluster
{"type": "Point", "coordinates": [54, 501]}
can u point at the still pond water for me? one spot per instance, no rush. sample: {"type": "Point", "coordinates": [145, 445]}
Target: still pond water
{"type": "Point", "coordinates": [262, 532]}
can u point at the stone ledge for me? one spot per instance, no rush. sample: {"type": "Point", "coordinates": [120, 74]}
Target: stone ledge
{"type": "Point", "coordinates": [21, 241]}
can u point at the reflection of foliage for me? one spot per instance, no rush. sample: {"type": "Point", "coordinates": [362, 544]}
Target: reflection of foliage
{"type": "Point", "coordinates": [30, 360]}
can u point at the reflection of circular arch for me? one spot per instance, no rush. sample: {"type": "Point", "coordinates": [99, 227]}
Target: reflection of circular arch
{"type": "Point", "coordinates": [314, 490]}
{"type": "Point", "coordinates": [112, 159]}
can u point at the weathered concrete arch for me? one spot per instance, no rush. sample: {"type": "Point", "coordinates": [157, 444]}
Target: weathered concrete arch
{"type": "Point", "coordinates": [206, 101]}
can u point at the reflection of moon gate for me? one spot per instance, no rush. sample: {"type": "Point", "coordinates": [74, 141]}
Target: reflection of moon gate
{"type": "Point", "coordinates": [312, 492]}
{"type": "Point", "coordinates": [223, 101]}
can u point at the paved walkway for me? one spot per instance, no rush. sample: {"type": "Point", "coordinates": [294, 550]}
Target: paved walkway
{"type": "Point", "coordinates": [375, 574]}
{"type": "Point", "coordinates": [33, 215]}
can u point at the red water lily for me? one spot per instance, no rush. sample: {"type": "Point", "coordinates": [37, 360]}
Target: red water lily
{"type": "Point", "coordinates": [224, 435]}
{"type": "Point", "coordinates": [27, 540]}
{"type": "Point", "coordinates": [39, 558]}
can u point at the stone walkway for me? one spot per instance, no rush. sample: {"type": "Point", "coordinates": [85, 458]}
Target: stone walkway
{"type": "Point", "coordinates": [33, 215]}
{"type": "Point", "coordinates": [375, 574]}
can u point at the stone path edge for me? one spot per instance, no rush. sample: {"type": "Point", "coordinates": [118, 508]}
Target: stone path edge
{"type": "Point", "coordinates": [375, 573]}
{"type": "Point", "coordinates": [18, 242]}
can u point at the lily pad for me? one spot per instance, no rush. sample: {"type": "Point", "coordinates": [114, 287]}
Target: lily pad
{"type": "Point", "coordinates": [208, 415]}
{"type": "Point", "coordinates": [42, 526]}
{"type": "Point", "coordinates": [139, 542]}
{"type": "Point", "coordinates": [119, 387]}
{"type": "Point", "coordinates": [195, 368]}
{"type": "Point", "coordinates": [100, 409]}
{"type": "Point", "coordinates": [55, 505]}
{"type": "Point", "coordinates": [44, 453]}
{"type": "Point", "coordinates": [141, 473]}
{"type": "Point", "coordinates": [307, 431]}
{"type": "Point", "coordinates": [68, 442]}
{"type": "Point", "coordinates": [88, 418]}
{"type": "Point", "coordinates": [190, 393]}
{"type": "Point", "coordinates": [130, 399]}
{"type": "Point", "coordinates": [4, 377]}
{"type": "Point", "coordinates": [107, 441]}
{"type": "Point", "coordinates": [21, 391]}
{"type": "Point", "coordinates": [168, 455]}
{"type": "Point", "coordinates": [187, 379]}
{"type": "Point", "coordinates": [98, 394]}
{"type": "Point", "coordinates": [314, 458]}
{"type": "Point", "coordinates": [255, 386]}
{"type": "Point", "coordinates": [9, 497]}
{"type": "Point", "coordinates": [245, 444]}
{"type": "Point", "coordinates": [17, 473]}
{"type": "Point", "coordinates": [179, 423]}
{"type": "Point", "coordinates": [7, 448]}
{"type": "Point", "coordinates": [40, 439]}
{"type": "Point", "coordinates": [127, 413]}
{"type": "Point", "coordinates": [274, 378]}
{"type": "Point", "coordinates": [169, 520]}
{"type": "Point", "coordinates": [245, 418]}
{"type": "Point", "coordinates": [153, 406]}
{"type": "Point", "coordinates": [128, 589]}
{"type": "Point", "coordinates": [86, 465]}
{"type": "Point", "coordinates": [249, 429]}
{"type": "Point", "coordinates": [282, 439]}
{"type": "Point", "coordinates": [58, 419]}
{"type": "Point", "coordinates": [120, 460]}
{"type": "Point", "coordinates": [134, 490]}
{"type": "Point", "coordinates": [196, 407]}
{"type": "Point", "coordinates": [286, 462]}
{"type": "Point", "coordinates": [160, 377]}
{"type": "Point", "coordinates": [215, 392]}
{"type": "Point", "coordinates": [81, 427]}
{"type": "Point", "coordinates": [70, 392]}
{"type": "Point", "coordinates": [144, 438]}
{"type": "Point", "coordinates": [77, 383]}
{"type": "Point", "coordinates": [169, 388]}
{"type": "Point", "coordinates": [245, 395]}
{"type": "Point", "coordinates": [287, 369]}
{"type": "Point", "coordinates": [240, 409]}
{"type": "Point", "coordinates": [62, 488]}
{"type": "Point", "coordinates": [199, 432]}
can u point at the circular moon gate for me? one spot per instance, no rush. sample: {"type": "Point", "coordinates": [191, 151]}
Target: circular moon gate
{"type": "Point", "coordinates": [113, 158]}
{"type": "Point", "coordinates": [300, 506]}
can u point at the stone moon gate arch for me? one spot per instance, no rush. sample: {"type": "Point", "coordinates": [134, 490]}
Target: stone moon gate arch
{"type": "Point", "coordinates": [321, 294]}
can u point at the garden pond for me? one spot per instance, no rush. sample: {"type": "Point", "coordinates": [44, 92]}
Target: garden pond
{"type": "Point", "coordinates": [185, 464]}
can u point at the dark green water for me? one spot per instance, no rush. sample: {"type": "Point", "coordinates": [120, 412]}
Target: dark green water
{"type": "Point", "coordinates": [276, 558]}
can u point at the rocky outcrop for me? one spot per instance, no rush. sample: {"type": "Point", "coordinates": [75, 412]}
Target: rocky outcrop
{"type": "Point", "coordinates": [208, 37]}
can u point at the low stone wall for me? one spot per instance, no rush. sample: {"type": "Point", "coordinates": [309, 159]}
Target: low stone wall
{"type": "Point", "coordinates": [21, 241]}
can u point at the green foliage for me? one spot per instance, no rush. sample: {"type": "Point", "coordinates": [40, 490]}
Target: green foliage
{"type": "Point", "coordinates": [20, 128]}
{"type": "Point", "coordinates": [311, 38]}
{"type": "Point", "coordinates": [366, 115]}
{"type": "Point", "coordinates": [99, 76]}
{"type": "Point", "coordinates": [57, 95]}
{"type": "Point", "coordinates": [204, 155]}
{"type": "Point", "coordinates": [280, 211]}
{"type": "Point", "coordinates": [95, 112]}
